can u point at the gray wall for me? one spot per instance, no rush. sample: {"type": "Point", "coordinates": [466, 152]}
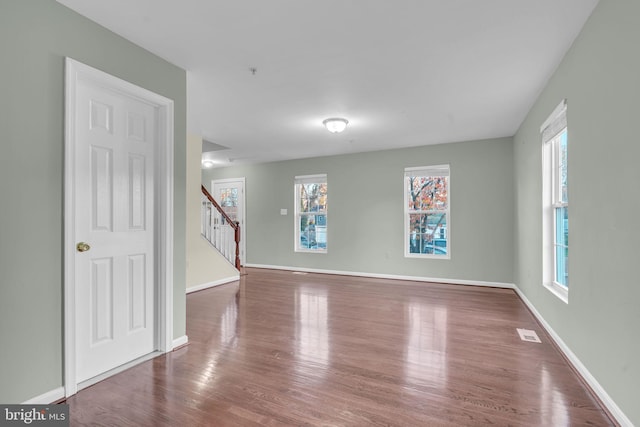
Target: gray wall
{"type": "Point", "coordinates": [365, 232]}
{"type": "Point", "coordinates": [35, 36]}
{"type": "Point", "coordinates": [600, 78]}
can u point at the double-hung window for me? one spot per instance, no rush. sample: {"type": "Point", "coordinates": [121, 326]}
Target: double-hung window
{"type": "Point", "coordinates": [311, 213]}
{"type": "Point", "coordinates": [426, 212]}
{"type": "Point", "coordinates": [555, 203]}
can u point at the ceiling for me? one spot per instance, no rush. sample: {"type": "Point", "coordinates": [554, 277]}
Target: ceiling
{"type": "Point", "coordinates": [262, 75]}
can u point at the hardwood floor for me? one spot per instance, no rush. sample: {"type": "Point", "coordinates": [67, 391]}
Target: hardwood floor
{"type": "Point", "coordinates": [279, 348]}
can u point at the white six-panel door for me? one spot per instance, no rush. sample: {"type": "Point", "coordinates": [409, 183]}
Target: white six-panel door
{"type": "Point", "coordinates": [114, 213]}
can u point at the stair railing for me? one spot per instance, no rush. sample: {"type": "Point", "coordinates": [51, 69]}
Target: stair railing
{"type": "Point", "coordinates": [219, 229]}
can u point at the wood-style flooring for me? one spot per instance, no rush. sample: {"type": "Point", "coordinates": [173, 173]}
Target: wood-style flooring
{"type": "Point", "coordinates": [285, 349]}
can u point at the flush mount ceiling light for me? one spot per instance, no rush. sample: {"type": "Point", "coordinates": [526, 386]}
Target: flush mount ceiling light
{"type": "Point", "coordinates": [207, 164]}
{"type": "Point", "coordinates": [335, 125]}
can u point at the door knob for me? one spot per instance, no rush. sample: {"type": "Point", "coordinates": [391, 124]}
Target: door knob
{"type": "Point", "coordinates": [83, 247]}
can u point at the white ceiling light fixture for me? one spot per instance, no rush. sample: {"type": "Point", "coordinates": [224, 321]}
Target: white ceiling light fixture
{"type": "Point", "coordinates": [207, 164]}
{"type": "Point", "coordinates": [335, 125]}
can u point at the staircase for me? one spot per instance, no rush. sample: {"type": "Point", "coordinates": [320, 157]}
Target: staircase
{"type": "Point", "coordinates": [219, 229]}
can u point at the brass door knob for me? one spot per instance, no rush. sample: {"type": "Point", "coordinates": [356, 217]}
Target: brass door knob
{"type": "Point", "coordinates": [83, 247]}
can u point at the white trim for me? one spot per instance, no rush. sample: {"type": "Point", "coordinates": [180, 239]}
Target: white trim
{"type": "Point", "coordinates": [427, 256]}
{"type": "Point", "coordinates": [554, 115]}
{"type": "Point", "coordinates": [69, 355]}
{"type": "Point", "coordinates": [550, 197]}
{"type": "Point", "coordinates": [297, 215]}
{"type": "Point", "coordinates": [389, 276]}
{"type": "Point", "coordinates": [558, 290]}
{"type": "Point", "coordinates": [178, 342]}
{"type": "Point", "coordinates": [615, 411]}
{"type": "Point", "coordinates": [118, 369]}
{"type": "Point", "coordinates": [310, 251]}
{"type": "Point", "coordinates": [75, 71]}
{"type": "Point", "coordinates": [438, 170]}
{"type": "Point", "coordinates": [46, 398]}
{"type": "Point", "coordinates": [434, 170]}
{"type": "Point", "coordinates": [212, 284]}
{"type": "Point", "coordinates": [165, 178]}
{"type": "Point", "coordinates": [310, 179]}
{"type": "Point", "coordinates": [222, 181]}
{"type": "Point", "coordinates": [604, 397]}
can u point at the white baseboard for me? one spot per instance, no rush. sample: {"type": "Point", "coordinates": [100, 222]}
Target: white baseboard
{"type": "Point", "coordinates": [615, 411]}
{"type": "Point", "coordinates": [103, 376]}
{"type": "Point", "coordinates": [46, 398]}
{"type": "Point", "coordinates": [215, 283]}
{"type": "Point", "coordinates": [389, 276]}
{"type": "Point", "coordinates": [180, 341]}
{"type": "Point", "coordinates": [59, 393]}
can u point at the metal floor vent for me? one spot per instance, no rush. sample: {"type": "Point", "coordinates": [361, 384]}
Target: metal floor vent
{"type": "Point", "coordinates": [528, 335]}
{"type": "Point", "coordinates": [299, 272]}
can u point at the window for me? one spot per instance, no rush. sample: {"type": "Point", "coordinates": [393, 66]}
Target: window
{"type": "Point", "coordinates": [311, 213]}
{"type": "Point", "coordinates": [426, 212]}
{"type": "Point", "coordinates": [555, 203]}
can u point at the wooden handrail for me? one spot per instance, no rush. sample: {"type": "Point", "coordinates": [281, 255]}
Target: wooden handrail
{"type": "Point", "coordinates": [234, 224]}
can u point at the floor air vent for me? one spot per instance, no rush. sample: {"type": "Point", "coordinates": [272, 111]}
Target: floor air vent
{"type": "Point", "coordinates": [528, 335]}
{"type": "Point", "coordinates": [299, 272]}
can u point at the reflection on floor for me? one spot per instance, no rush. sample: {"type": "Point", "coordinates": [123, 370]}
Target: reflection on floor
{"type": "Point", "coordinates": [278, 348]}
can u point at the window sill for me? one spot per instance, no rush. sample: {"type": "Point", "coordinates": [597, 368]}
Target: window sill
{"type": "Point", "coordinates": [311, 251]}
{"type": "Point", "coordinates": [427, 256]}
{"type": "Point", "coordinates": [559, 291]}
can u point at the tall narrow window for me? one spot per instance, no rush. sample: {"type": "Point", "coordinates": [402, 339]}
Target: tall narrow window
{"type": "Point", "coordinates": [555, 203]}
{"type": "Point", "coordinates": [311, 213]}
{"type": "Point", "coordinates": [426, 212]}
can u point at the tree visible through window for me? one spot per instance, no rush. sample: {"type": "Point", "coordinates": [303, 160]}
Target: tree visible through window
{"type": "Point", "coordinates": [311, 213]}
{"type": "Point", "coordinates": [427, 211]}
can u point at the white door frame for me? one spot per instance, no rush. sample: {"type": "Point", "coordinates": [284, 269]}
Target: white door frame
{"type": "Point", "coordinates": [163, 206]}
{"type": "Point", "coordinates": [243, 230]}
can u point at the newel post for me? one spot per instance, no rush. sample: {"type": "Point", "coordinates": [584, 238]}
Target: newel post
{"type": "Point", "coordinates": [237, 237]}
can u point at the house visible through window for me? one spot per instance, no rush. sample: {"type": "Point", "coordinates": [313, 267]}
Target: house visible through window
{"type": "Point", "coordinates": [426, 201]}
{"type": "Point", "coordinates": [311, 213]}
{"type": "Point", "coordinates": [555, 203]}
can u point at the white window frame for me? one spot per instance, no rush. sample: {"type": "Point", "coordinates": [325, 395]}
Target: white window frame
{"type": "Point", "coordinates": [309, 179]}
{"type": "Point", "coordinates": [552, 130]}
{"type": "Point", "coordinates": [435, 170]}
